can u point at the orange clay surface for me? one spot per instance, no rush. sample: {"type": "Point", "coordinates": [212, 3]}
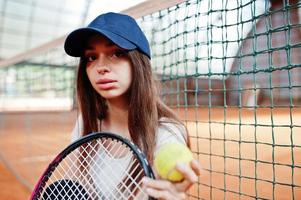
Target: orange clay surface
{"type": "Point", "coordinates": [226, 143]}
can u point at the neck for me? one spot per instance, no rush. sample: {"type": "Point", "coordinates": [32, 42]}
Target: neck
{"type": "Point", "coordinates": [117, 118]}
{"type": "Point", "coordinates": [117, 112]}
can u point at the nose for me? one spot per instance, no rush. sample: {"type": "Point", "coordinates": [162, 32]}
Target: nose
{"type": "Point", "coordinates": [102, 66]}
{"type": "Point", "coordinates": [102, 69]}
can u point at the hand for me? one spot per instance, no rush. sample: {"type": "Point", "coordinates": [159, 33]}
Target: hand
{"type": "Point", "coordinates": [167, 190]}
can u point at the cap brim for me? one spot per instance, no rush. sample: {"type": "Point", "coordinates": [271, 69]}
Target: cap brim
{"type": "Point", "coordinates": [76, 40]}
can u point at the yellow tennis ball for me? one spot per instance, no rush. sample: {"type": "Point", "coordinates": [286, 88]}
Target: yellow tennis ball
{"type": "Point", "coordinates": [168, 156]}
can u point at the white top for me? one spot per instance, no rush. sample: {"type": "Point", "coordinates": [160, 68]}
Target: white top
{"type": "Point", "coordinates": [167, 132]}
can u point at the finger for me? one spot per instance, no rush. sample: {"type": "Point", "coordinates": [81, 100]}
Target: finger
{"type": "Point", "coordinates": [162, 194]}
{"type": "Point", "coordinates": [183, 186]}
{"type": "Point", "coordinates": [187, 172]}
{"type": "Point", "coordinates": [196, 167]}
{"type": "Point", "coordinates": [157, 184]}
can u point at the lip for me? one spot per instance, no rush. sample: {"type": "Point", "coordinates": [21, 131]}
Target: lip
{"type": "Point", "coordinates": [105, 83]}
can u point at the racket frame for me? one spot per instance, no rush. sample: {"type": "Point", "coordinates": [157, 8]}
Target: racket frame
{"type": "Point", "coordinates": [92, 136]}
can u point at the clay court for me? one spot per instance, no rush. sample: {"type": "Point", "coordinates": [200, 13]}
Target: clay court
{"type": "Point", "coordinates": [239, 160]}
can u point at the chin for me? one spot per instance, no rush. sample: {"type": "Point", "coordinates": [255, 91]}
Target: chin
{"type": "Point", "coordinates": [108, 95]}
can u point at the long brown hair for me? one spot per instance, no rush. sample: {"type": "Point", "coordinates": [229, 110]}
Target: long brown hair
{"type": "Point", "coordinates": [145, 105]}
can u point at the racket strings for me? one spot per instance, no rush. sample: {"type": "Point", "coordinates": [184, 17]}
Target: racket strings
{"type": "Point", "coordinates": [88, 154]}
{"type": "Point", "coordinates": [108, 149]}
{"type": "Point", "coordinates": [130, 182]}
{"type": "Point", "coordinates": [65, 189]}
{"type": "Point", "coordinates": [73, 167]}
{"type": "Point", "coordinates": [104, 169]}
{"type": "Point", "coordinates": [67, 170]}
{"type": "Point", "coordinates": [112, 150]}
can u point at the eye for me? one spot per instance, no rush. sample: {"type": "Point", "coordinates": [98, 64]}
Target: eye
{"type": "Point", "coordinates": [118, 54]}
{"type": "Point", "coordinates": [91, 58]}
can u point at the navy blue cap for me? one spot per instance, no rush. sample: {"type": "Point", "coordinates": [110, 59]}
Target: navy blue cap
{"type": "Point", "coordinates": [121, 29]}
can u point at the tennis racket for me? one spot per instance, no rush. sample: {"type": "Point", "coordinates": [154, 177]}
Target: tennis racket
{"type": "Point", "coordinates": [97, 166]}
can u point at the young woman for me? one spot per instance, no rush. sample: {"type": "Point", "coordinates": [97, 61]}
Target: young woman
{"type": "Point", "coordinates": [117, 93]}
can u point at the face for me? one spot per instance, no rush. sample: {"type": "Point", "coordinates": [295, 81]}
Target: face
{"type": "Point", "coordinates": [108, 68]}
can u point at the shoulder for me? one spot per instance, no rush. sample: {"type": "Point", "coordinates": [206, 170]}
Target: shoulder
{"type": "Point", "coordinates": [77, 129]}
{"type": "Point", "coordinates": [170, 131]}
